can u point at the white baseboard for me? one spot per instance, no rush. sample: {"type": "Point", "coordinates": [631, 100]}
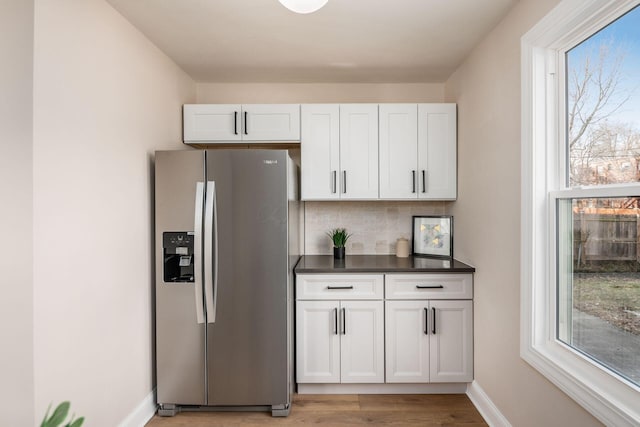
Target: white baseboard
{"type": "Point", "coordinates": [486, 407]}
{"type": "Point", "coordinates": [142, 413]}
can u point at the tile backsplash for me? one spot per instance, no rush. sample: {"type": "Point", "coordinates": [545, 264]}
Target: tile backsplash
{"type": "Point", "coordinates": [375, 226]}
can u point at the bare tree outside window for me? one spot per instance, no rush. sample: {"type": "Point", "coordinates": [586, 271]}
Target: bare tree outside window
{"type": "Point", "coordinates": [603, 149]}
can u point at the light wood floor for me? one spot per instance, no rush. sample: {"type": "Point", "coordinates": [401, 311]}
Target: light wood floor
{"type": "Point", "coordinates": [345, 410]}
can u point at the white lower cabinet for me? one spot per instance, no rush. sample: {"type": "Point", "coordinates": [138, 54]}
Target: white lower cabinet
{"type": "Point", "coordinates": [451, 342]}
{"type": "Point", "coordinates": [317, 342]}
{"type": "Point", "coordinates": [362, 342]}
{"type": "Point", "coordinates": [340, 342]}
{"type": "Point", "coordinates": [339, 328]}
{"type": "Point", "coordinates": [429, 341]}
{"type": "Point", "coordinates": [407, 342]}
{"type": "Point", "coordinates": [346, 333]}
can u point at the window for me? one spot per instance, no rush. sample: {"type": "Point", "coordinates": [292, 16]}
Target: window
{"type": "Point", "coordinates": [598, 279]}
{"type": "Point", "coordinates": [598, 282]}
{"type": "Point", "coordinates": [581, 204]}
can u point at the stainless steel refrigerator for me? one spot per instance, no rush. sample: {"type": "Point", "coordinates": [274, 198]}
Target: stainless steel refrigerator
{"type": "Point", "coordinates": [227, 240]}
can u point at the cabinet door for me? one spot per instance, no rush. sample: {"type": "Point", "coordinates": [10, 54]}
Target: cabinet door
{"type": "Point", "coordinates": [437, 140]}
{"type": "Point", "coordinates": [358, 151]}
{"type": "Point", "coordinates": [317, 342]}
{"type": "Point", "coordinates": [451, 342]}
{"type": "Point", "coordinates": [211, 122]}
{"type": "Point", "coordinates": [271, 122]}
{"type": "Point", "coordinates": [320, 151]}
{"type": "Point", "coordinates": [398, 151]}
{"type": "Point", "coordinates": [362, 342]}
{"type": "Point", "coordinates": [407, 341]}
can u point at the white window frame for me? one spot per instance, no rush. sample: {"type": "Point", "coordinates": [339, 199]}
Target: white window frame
{"type": "Point", "coordinates": [608, 396]}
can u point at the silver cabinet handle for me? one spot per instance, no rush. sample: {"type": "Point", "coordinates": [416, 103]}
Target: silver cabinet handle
{"type": "Point", "coordinates": [339, 287]}
{"type": "Point", "coordinates": [211, 251]}
{"type": "Point", "coordinates": [197, 252]}
{"type": "Point", "coordinates": [429, 287]}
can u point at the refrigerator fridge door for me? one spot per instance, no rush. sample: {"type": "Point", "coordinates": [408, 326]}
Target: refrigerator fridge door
{"type": "Point", "coordinates": [247, 344]}
{"type": "Point", "coordinates": [180, 330]}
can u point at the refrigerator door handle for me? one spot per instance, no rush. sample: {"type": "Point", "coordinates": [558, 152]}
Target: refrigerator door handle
{"type": "Point", "coordinates": [211, 252]}
{"type": "Point", "coordinates": [197, 253]}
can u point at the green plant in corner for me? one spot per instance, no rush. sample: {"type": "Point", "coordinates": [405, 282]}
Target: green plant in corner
{"type": "Point", "coordinates": [59, 415]}
{"type": "Point", "coordinates": [339, 237]}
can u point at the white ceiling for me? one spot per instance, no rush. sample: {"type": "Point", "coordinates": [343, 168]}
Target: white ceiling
{"type": "Point", "coordinates": [362, 41]}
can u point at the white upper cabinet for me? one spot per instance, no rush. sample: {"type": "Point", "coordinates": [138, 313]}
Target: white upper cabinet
{"type": "Point", "coordinates": [437, 151]}
{"type": "Point", "coordinates": [203, 123]}
{"type": "Point", "coordinates": [418, 151]}
{"type": "Point", "coordinates": [359, 151]}
{"type": "Point", "coordinates": [398, 151]}
{"type": "Point", "coordinates": [320, 151]}
{"type": "Point", "coordinates": [211, 122]}
{"type": "Point", "coordinates": [339, 147]}
{"type": "Point", "coordinates": [348, 151]}
{"type": "Point", "coordinates": [271, 122]}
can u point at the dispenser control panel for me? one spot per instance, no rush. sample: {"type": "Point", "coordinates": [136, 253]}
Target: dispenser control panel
{"type": "Point", "coordinates": [178, 256]}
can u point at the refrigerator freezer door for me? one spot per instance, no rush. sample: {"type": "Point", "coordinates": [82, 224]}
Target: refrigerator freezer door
{"type": "Point", "coordinates": [247, 344]}
{"type": "Point", "coordinates": [180, 339]}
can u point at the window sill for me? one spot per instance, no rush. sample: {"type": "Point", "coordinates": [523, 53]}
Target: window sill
{"type": "Point", "coordinates": [610, 398]}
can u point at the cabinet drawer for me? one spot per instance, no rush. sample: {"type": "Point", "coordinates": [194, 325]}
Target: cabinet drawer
{"type": "Point", "coordinates": [428, 286]}
{"type": "Point", "coordinates": [339, 286]}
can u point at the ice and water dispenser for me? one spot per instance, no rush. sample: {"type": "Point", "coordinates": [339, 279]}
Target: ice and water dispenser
{"type": "Point", "coordinates": [177, 250]}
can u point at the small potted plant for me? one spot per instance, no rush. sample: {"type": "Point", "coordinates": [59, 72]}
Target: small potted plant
{"type": "Point", "coordinates": [339, 237]}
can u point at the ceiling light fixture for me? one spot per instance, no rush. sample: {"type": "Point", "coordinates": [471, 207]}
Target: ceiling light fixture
{"type": "Point", "coordinates": [303, 6]}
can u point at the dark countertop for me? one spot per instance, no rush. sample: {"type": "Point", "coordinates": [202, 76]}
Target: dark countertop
{"type": "Point", "coordinates": [379, 264]}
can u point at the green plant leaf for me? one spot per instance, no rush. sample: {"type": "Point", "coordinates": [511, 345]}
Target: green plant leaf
{"type": "Point", "coordinates": [76, 423]}
{"type": "Point", "coordinates": [58, 415]}
{"type": "Point", "coordinates": [44, 420]}
{"type": "Point", "coordinates": [339, 236]}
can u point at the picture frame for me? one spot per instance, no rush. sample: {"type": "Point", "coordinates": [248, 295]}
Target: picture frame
{"type": "Point", "coordinates": [433, 236]}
